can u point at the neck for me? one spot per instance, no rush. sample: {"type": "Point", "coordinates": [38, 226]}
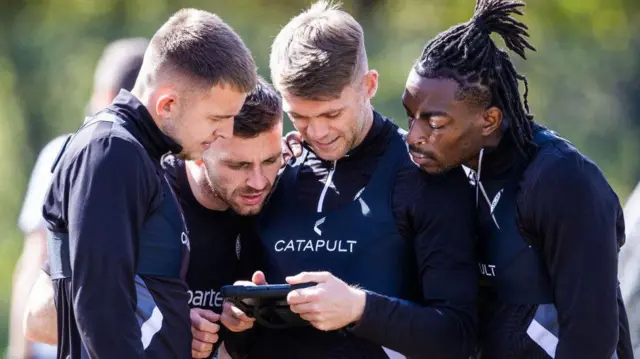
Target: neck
{"type": "Point", "coordinates": [145, 95]}
{"type": "Point", "coordinates": [201, 189]}
{"type": "Point", "coordinates": [489, 144]}
{"type": "Point", "coordinates": [368, 122]}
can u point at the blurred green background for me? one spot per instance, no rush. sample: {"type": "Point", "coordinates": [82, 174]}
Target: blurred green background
{"type": "Point", "coordinates": [584, 78]}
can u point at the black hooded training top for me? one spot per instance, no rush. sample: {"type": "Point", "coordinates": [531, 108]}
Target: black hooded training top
{"type": "Point", "coordinates": [432, 216]}
{"type": "Point", "coordinates": [118, 246]}
{"type": "Point", "coordinates": [549, 235]}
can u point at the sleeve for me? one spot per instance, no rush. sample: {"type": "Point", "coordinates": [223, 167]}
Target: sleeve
{"type": "Point", "coordinates": [438, 217]}
{"type": "Point", "coordinates": [575, 217]}
{"type": "Point", "coordinates": [31, 214]}
{"type": "Point", "coordinates": [107, 206]}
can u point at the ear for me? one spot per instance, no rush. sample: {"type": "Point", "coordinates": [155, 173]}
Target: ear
{"type": "Point", "coordinates": [491, 121]}
{"type": "Point", "coordinates": [166, 103]}
{"type": "Point", "coordinates": [371, 83]}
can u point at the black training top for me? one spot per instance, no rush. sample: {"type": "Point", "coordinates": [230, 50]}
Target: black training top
{"type": "Point", "coordinates": [218, 251]}
{"type": "Point", "coordinates": [434, 215]}
{"type": "Point", "coordinates": [550, 228]}
{"type": "Point", "coordinates": [118, 248]}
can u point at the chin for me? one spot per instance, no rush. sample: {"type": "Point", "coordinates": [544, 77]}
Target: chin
{"type": "Point", "coordinates": [247, 211]}
{"type": "Point", "coordinates": [433, 170]}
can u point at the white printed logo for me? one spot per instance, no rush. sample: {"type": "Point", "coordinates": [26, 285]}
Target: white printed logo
{"type": "Point", "coordinates": [318, 245]}
{"type": "Point", "coordinates": [487, 269]}
{"type": "Point", "coordinates": [185, 240]}
{"type": "Point", "coordinates": [205, 298]}
{"type": "Point", "coordinates": [495, 201]}
{"type": "Point", "coordinates": [316, 227]}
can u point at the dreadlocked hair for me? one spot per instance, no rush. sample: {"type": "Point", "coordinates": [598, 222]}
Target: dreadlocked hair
{"type": "Point", "coordinates": [467, 54]}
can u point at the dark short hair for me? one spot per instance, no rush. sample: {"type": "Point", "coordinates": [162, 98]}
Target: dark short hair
{"type": "Point", "coordinates": [120, 64]}
{"type": "Point", "coordinates": [200, 44]}
{"type": "Point", "coordinates": [318, 53]}
{"type": "Point", "coordinates": [261, 111]}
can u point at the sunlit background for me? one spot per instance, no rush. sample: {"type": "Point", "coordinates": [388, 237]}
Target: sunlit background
{"type": "Point", "coordinates": [584, 78]}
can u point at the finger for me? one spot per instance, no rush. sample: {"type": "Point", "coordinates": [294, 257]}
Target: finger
{"type": "Point", "coordinates": [322, 325]}
{"type": "Point", "coordinates": [197, 354]}
{"type": "Point", "coordinates": [203, 324]}
{"type": "Point", "coordinates": [208, 314]}
{"type": "Point", "coordinates": [229, 310]}
{"type": "Point", "coordinates": [258, 278]}
{"type": "Point", "coordinates": [201, 346]}
{"type": "Point", "coordinates": [244, 282]}
{"type": "Point", "coordinates": [294, 143]}
{"type": "Point", "coordinates": [234, 324]}
{"type": "Point", "coordinates": [240, 315]}
{"type": "Point", "coordinates": [304, 308]}
{"type": "Point", "coordinates": [204, 337]}
{"type": "Point", "coordinates": [300, 296]}
{"type": "Point", "coordinates": [306, 277]}
{"type": "Point", "coordinates": [310, 317]}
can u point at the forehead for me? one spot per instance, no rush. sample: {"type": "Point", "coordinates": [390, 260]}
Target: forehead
{"type": "Point", "coordinates": [258, 148]}
{"type": "Point", "coordinates": [425, 93]}
{"type": "Point", "coordinates": [313, 108]}
{"type": "Point", "coordinates": [221, 99]}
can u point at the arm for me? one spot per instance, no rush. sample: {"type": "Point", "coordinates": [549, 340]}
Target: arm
{"type": "Point", "coordinates": [441, 224]}
{"type": "Point", "coordinates": [25, 274]}
{"type": "Point", "coordinates": [108, 201]}
{"type": "Point", "coordinates": [573, 213]}
{"type": "Point", "coordinates": [32, 224]}
{"type": "Point", "coordinates": [40, 320]}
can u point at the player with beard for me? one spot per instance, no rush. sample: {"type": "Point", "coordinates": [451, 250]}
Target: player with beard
{"type": "Point", "coordinates": [233, 180]}
{"type": "Point", "coordinates": [550, 224]}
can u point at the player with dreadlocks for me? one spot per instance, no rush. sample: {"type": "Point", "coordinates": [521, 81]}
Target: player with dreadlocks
{"type": "Point", "coordinates": [550, 224]}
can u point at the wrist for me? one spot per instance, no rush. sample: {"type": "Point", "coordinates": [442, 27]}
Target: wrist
{"type": "Point", "coordinates": [359, 302]}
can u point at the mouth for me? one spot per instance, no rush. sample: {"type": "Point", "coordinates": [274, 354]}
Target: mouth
{"type": "Point", "coordinates": [251, 199]}
{"type": "Point", "coordinates": [421, 158]}
{"type": "Point", "coordinates": [205, 145]}
{"type": "Point", "coordinates": [325, 145]}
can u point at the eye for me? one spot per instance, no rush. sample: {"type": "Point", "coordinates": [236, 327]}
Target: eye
{"type": "Point", "coordinates": [435, 125]}
{"type": "Point", "coordinates": [237, 166]}
{"type": "Point", "coordinates": [271, 161]}
{"type": "Point", "coordinates": [333, 115]}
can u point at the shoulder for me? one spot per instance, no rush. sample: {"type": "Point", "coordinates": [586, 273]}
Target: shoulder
{"type": "Point", "coordinates": [422, 193]}
{"type": "Point", "coordinates": [105, 140]}
{"type": "Point", "coordinates": [560, 170]}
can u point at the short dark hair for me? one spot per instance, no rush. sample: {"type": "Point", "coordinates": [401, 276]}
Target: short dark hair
{"type": "Point", "coordinates": [261, 111]}
{"type": "Point", "coordinates": [200, 44]}
{"type": "Point", "coordinates": [318, 53]}
{"type": "Point", "coordinates": [486, 76]}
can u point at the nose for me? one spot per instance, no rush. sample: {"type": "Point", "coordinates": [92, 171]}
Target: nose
{"type": "Point", "coordinates": [257, 180]}
{"type": "Point", "coordinates": [317, 129]}
{"type": "Point", "coordinates": [224, 128]}
{"type": "Point", "coordinates": [416, 133]}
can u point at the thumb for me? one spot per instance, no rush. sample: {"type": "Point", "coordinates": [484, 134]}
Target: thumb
{"type": "Point", "coordinates": [259, 278]}
{"type": "Point", "coordinates": [306, 277]}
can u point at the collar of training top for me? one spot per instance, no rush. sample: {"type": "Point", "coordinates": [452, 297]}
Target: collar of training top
{"type": "Point", "coordinates": [132, 111]}
{"type": "Point", "coordinates": [498, 160]}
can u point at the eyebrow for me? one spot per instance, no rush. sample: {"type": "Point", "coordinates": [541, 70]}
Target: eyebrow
{"type": "Point", "coordinates": [239, 163]}
{"type": "Point", "coordinates": [426, 114]}
{"type": "Point", "coordinates": [326, 113]}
